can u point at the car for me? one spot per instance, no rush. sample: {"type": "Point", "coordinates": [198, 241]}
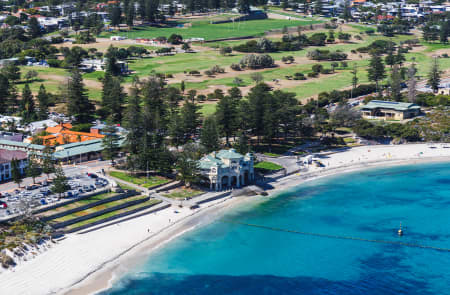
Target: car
{"type": "Point", "coordinates": [16, 191]}
{"type": "Point", "coordinates": [3, 205]}
{"type": "Point", "coordinates": [43, 202]}
{"type": "Point", "coordinates": [92, 175]}
{"type": "Point", "coordinates": [32, 187]}
{"type": "Point", "coordinates": [92, 187]}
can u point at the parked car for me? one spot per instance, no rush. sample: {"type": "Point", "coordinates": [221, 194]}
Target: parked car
{"type": "Point", "coordinates": [3, 205]}
{"type": "Point", "coordinates": [92, 175]}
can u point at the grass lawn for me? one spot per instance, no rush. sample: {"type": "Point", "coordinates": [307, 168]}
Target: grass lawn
{"type": "Point", "coordinates": [79, 203]}
{"type": "Point", "coordinates": [114, 213]}
{"type": "Point", "coordinates": [349, 140]}
{"type": "Point", "coordinates": [182, 193]}
{"type": "Point", "coordinates": [97, 208]}
{"type": "Point", "coordinates": [267, 166]}
{"type": "Point", "coordinates": [140, 180]}
{"type": "Point", "coordinates": [433, 46]}
{"type": "Point", "coordinates": [208, 31]}
{"type": "Point", "coordinates": [207, 109]}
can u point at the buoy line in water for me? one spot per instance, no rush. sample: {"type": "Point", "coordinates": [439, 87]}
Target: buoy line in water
{"type": "Point", "coordinates": [338, 237]}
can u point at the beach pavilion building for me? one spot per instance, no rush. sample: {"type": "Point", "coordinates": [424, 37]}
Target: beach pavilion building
{"type": "Point", "coordinates": [390, 110]}
{"type": "Point", "coordinates": [227, 168]}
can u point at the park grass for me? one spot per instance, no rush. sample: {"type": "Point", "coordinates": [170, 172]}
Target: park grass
{"type": "Point", "coordinates": [97, 208]}
{"type": "Point", "coordinates": [208, 31]}
{"type": "Point", "coordinates": [140, 180]}
{"type": "Point", "coordinates": [47, 77]}
{"type": "Point", "coordinates": [207, 109]}
{"type": "Point", "coordinates": [114, 213]}
{"type": "Point", "coordinates": [182, 193]}
{"type": "Point", "coordinates": [267, 166]}
{"type": "Point", "coordinates": [430, 46]}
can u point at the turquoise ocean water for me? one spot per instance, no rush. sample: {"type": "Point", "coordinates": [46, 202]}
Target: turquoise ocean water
{"type": "Point", "coordinates": [226, 258]}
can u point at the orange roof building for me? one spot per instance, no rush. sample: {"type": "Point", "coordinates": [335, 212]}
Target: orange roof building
{"type": "Point", "coordinates": [62, 135]}
{"type": "Point", "coordinates": [59, 128]}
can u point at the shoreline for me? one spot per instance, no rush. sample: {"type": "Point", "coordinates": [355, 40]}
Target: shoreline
{"type": "Point", "coordinates": [91, 277]}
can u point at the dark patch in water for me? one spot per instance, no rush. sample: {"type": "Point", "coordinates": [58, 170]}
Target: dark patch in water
{"type": "Point", "coordinates": [374, 283]}
{"type": "Point", "coordinates": [443, 180]}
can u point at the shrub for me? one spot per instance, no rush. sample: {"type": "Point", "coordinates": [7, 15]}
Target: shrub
{"type": "Point", "coordinates": [317, 68]}
{"type": "Point", "coordinates": [358, 37]}
{"type": "Point", "coordinates": [288, 59]}
{"type": "Point", "coordinates": [235, 67]}
{"type": "Point", "coordinates": [337, 56]}
{"type": "Point", "coordinates": [217, 70]}
{"type": "Point", "coordinates": [299, 76]}
{"type": "Point", "coordinates": [201, 97]}
{"type": "Point", "coordinates": [208, 73]}
{"type": "Point", "coordinates": [326, 71]}
{"type": "Point", "coordinates": [253, 61]}
{"type": "Point", "coordinates": [318, 54]}
{"type": "Point", "coordinates": [175, 39]}
{"type": "Point", "coordinates": [317, 39]}
{"type": "Point", "coordinates": [194, 72]}
{"type": "Point", "coordinates": [344, 36]}
{"type": "Point", "coordinates": [225, 50]}
{"type": "Point", "coordinates": [57, 39]}
{"type": "Point", "coordinates": [344, 64]}
{"type": "Point", "coordinates": [313, 74]}
{"type": "Point", "coordinates": [370, 31]}
{"type": "Point", "coordinates": [445, 55]}
{"type": "Point", "coordinates": [249, 46]}
{"type": "Point", "coordinates": [54, 63]}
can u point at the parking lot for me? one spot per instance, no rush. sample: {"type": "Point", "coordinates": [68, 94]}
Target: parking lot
{"type": "Point", "coordinates": [37, 195]}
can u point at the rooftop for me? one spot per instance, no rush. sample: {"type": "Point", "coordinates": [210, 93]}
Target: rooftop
{"type": "Point", "coordinates": [398, 106]}
{"type": "Point", "coordinates": [215, 158]}
{"type": "Point", "coordinates": [7, 155]}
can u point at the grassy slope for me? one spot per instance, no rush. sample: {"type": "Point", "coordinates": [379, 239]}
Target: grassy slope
{"type": "Point", "coordinates": [114, 213]}
{"type": "Point", "coordinates": [142, 181]}
{"type": "Point", "coordinates": [97, 208]}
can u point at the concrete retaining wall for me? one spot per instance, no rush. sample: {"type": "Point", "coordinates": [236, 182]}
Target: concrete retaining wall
{"type": "Point", "coordinates": [216, 197]}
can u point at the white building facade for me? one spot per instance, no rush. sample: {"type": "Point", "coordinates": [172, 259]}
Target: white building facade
{"type": "Point", "coordinates": [227, 168]}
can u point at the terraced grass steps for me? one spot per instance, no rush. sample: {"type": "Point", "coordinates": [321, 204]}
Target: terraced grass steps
{"type": "Point", "coordinates": [96, 211]}
{"type": "Point", "coordinates": [84, 204]}
{"type": "Point", "coordinates": [133, 211]}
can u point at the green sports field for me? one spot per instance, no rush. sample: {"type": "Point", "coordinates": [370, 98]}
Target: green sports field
{"type": "Point", "coordinates": [208, 31]}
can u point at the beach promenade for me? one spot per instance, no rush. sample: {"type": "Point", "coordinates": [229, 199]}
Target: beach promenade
{"type": "Point", "coordinates": [84, 263]}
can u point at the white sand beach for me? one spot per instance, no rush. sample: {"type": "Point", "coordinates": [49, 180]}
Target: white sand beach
{"type": "Point", "coordinates": [85, 263]}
